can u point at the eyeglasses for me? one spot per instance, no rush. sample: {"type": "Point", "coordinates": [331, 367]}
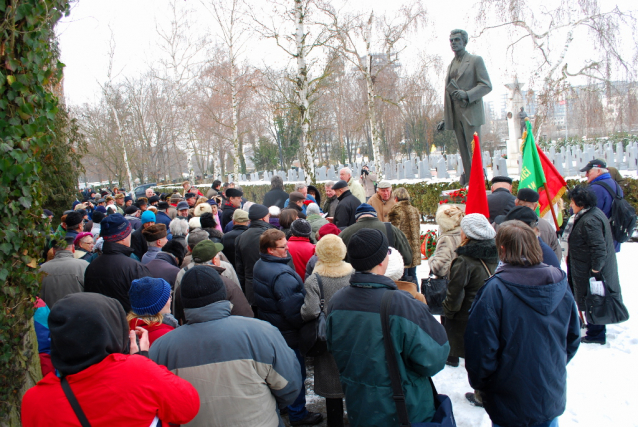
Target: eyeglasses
{"type": "Point", "coordinates": [282, 247]}
{"type": "Point", "coordinates": [389, 251]}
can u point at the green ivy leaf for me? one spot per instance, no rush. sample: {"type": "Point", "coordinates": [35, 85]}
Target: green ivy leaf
{"type": "Point", "coordinates": [26, 202]}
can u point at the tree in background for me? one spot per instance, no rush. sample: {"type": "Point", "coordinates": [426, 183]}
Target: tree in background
{"type": "Point", "coordinates": [33, 142]}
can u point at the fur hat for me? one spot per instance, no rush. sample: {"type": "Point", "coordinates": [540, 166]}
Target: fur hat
{"type": "Point", "coordinates": [154, 232]}
{"type": "Point", "coordinates": [233, 192]}
{"type": "Point", "coordinates": [395, 265]}
{"type": "Point", "coordinates": [194, 223]}
{"type": "Point", "coordinates": [202, 208]}
{"type": "Point", "coordinates": [331, 250]}
{"type": "Point", "coordinates": [477, 227]}
{"type": "Point", "coordinates": [73, 218]}
{"type": "Point", "coordinates": [207, 220]}
{"type": "Point", "coordinates": [448, 217]}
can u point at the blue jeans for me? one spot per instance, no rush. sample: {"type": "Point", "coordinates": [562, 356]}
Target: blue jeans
{"type": "Point", "coordinates": [297, 411]}
{"type": "Point", "coordinates": [552, 423]}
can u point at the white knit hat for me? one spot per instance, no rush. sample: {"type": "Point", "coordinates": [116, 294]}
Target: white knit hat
{"type": "Point", "coordinates": [477, 227]}
{"type": "Point", "coordinates": [395, 265]}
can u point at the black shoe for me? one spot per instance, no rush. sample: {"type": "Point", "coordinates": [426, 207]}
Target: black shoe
{"type": "Point", "coordinates": [472, 399]}
{"type": "Point", "coordinates": [311, 419]}
{"type": "Point", "coordinates": [452, 361]}
{"type": "Point", "coordinates": [589, 340]}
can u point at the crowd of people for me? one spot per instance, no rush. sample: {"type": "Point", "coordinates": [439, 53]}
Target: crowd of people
{"type": "Point", "coordinates": [187, 308]}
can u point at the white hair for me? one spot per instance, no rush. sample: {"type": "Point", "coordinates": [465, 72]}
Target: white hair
{"type": "Point", "coordinates": [329, 184]}
{"type": "Point", "coordinates": [275, 211]}
{"type": "Point", "coordinates": [347, 169]}
{"type": "Point", "coordinates": [312, 208]}
{"type": "Point", "coordinates": [602, 170]}
{"type": "Point", "coordinates": [299, 186]}
{"type": "Point", "coordinates": [178, 227]}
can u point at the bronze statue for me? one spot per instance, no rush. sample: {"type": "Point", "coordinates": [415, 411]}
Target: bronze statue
{"type": "Point", "coordinates": [522, 116]}
{"type": "Point", "coordinates": [466, 84]}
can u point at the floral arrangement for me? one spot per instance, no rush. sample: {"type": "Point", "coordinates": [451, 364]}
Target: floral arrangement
{"type": "Point", "coordinates": [456, 196]}
{"type": "Point", "coordinates": [428, 243]}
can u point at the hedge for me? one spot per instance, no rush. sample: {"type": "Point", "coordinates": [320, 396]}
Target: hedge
{"type": "Point", "coordinates": [424, 195]}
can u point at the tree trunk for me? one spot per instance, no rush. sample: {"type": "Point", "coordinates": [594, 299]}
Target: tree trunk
{"type": "Point", "coordinates": [307, 161]}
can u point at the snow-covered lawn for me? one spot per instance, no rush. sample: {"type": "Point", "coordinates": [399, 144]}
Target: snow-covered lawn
{"type": "Point", "coordinates": [602, 381]}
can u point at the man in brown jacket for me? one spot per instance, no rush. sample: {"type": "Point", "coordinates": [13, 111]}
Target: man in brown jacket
{"type": "Point", "coordinates": [382, 201]}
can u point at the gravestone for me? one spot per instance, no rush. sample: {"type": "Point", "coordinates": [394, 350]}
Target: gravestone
{"type": "Point", "coordinates": [632, 157]}
{"type": "Point", "coordinates": [321, 173]}
{"type": "Point", "coordinates": [558, 163]}
{"type": "Point", "coordinates": [620, 156]}
{"type": "Point", "coordinates": [424, 169]}
{"type": "Point", "coordinates": [441, 169]}
{"type": "Point", "coordinates": [400, 172]}
{"type": "Point", "coordinates": [302, 176]}
{"type": "Point", "coordinates": [609, 156]}
{"type": "Point", "coordinates": [332, 175]}
{"type": "Point", "coordinates": [459, 165]}
{"type": "Point", "coordinates": [388, 171]}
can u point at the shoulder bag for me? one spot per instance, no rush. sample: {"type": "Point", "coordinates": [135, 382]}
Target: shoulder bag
{"type": "Point", "coordinates": [434, 289]}
{"type": "Point", "coordinates": [313, 333]}
{"type": "Point", "coordinates": [443, 416]}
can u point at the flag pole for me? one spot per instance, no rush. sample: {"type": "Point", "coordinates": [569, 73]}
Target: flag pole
{"type": "Point", "coordinates": [551, 206]}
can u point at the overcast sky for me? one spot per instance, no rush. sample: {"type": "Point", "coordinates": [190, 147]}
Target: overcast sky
{"type": "Point", "coordinates": [84, 40]}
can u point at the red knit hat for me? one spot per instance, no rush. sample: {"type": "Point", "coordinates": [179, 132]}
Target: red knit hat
{"type": "Point", "coordinates": [326, 229]}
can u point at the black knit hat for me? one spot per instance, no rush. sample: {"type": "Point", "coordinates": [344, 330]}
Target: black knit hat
{"type": "Point", "coordinates": [257, 212]}
{"type": "Point", "coordinates": [73, 218]}
{"type": "Point", "coordinates": [523, 213]}
{"type": "Point", "coordinates": [207, 220]}
{"type": "Point", "coordinates": [131, 210]}
{"type": "Point", "coordinates": [201, 286]}
{"type": "Point", "coordinates": [300, 227]}
{"type": "Point", "coordinates": [153, 199]}
{"type": "Point", "coordinates": [98, 217]}
{"type": "Point", "coordinates": [367, 247]}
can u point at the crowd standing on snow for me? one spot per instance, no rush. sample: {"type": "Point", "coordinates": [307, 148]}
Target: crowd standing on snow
{"type": "Point", "coordinates": [194, 309]}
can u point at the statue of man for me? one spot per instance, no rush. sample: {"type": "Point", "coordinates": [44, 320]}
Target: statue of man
{"type": "Point", "coordinates": [522, 116]}
{"type": "Point", "coordinates": [466, 84]}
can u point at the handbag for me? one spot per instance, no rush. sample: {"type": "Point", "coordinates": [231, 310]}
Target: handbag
{"type": "Point", "coordinates": [443, 415]}
{"type": "Point", "coordinates": [313, 333]}
{"type": "Point", "coordinates": [604, 310]}
{"type": "Point", "coordinates": [434, 289]}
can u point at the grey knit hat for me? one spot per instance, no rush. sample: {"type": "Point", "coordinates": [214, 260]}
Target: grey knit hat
{"type": "Point", "coordinates": [477, 227]}
{"type": "Point", "coordinates": [300, 227]}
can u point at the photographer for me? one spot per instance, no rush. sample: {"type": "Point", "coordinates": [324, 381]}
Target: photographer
{"type": "Point", "coordinates": [367, 180]}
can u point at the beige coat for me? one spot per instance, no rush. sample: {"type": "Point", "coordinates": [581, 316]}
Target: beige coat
{"type": "Point", "coordinates": [383, 208]}
{"type": "Point", "coordinates": [445, 252]}
{"type": "Point", "coordinates": [368, 183]}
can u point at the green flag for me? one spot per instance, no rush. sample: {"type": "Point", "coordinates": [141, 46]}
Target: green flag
{"type": "Point", "coordinates": [532, 174]}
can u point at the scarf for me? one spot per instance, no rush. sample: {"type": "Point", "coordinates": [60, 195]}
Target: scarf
{"type": "Point", "coordinates": [568, 229]}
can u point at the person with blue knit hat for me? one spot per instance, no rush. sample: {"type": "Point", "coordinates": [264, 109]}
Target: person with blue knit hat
{"type": "Point", "coordinates": [138, 242]}
{"type": "Point", "coordinates": [151, 307]}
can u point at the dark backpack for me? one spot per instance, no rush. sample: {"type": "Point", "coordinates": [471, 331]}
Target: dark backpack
{"type": "Point", "coordinates": [623, 215]}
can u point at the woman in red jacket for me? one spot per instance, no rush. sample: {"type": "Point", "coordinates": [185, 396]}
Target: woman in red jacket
{"type": "Point", "coordinates": [151, 307]}
{"type": "Point", "coordinates": [90, 345]}
{"type": "Point", "coordinates": [299, 246]}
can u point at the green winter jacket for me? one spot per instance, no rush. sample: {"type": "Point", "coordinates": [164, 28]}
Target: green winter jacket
{"type": "Point", "coordinates": [355, 339]}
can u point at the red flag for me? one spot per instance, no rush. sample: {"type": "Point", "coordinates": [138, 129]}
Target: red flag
{"type": "Point", "coordinates": [476, 194]}
{"type": "Point", "coordinates": [555, 183]}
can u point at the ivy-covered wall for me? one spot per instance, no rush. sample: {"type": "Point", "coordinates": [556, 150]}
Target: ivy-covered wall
{"type": "Point", "coordinates": [29, 72]}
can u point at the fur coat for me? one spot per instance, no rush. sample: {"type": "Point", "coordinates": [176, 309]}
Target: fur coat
{"type": "Point", "coordinates": [448, 219]}
{"type": "Point", "coordinates": [407, 218]}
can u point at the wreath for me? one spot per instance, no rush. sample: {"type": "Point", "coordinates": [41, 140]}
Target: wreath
{"type": "Point", "coordinates": [428, 243]}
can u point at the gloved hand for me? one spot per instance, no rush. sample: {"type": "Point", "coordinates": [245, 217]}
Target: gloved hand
{"type": "Point", "coordinates": [597, 275]}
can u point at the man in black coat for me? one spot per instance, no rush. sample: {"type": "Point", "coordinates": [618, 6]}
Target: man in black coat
{"type": "Point", "coordinates": [501, 201]}
{"type": "Point", "coordinates": [247, 249]}
{"type": "Point", "coordinates": [240, 224]}
{"type": "Point", "coordinates": [347, 207]}
{"type": "Point", "coordinates": [166, 263]}
{"type": "Point", "coordinates": [276, 196]}
{"type": "Point", "coordinates": [112, 272]}
{"type": "Point", "coordinates": [138, 241]}
{"type": "Point", "coordinates": [234, 202]}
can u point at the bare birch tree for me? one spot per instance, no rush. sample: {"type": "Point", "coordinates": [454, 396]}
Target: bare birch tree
{"type": "Point", "coordinates": [549, 34]}
{"type": "Point", "coordinates": [372, 44]}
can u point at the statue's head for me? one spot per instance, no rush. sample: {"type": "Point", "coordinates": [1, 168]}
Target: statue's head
{"type": "Point", "coordinates": [458, 39]}
{"type": "Point", "coordinates": [522, 109]}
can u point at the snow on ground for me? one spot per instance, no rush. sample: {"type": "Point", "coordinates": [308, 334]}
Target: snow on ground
{"type": "Point", "coordinates": [602, 381]}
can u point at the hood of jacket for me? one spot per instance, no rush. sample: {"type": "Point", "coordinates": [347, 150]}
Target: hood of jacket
{"type": "Point", "coordinates": [165, 256]}
{"type": "Point", "coordinates": [479, 249]}
{"type": "Point", "coordinates": [85, 328]}
{"type": "Point", "coordinates": [541, 287]}
{"type": "Point", "coordinates": [215, 311]}
{"type": "Point", "coordinates": [116, 248]}
{"type": "Point", "coordinates": [371, 280]}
